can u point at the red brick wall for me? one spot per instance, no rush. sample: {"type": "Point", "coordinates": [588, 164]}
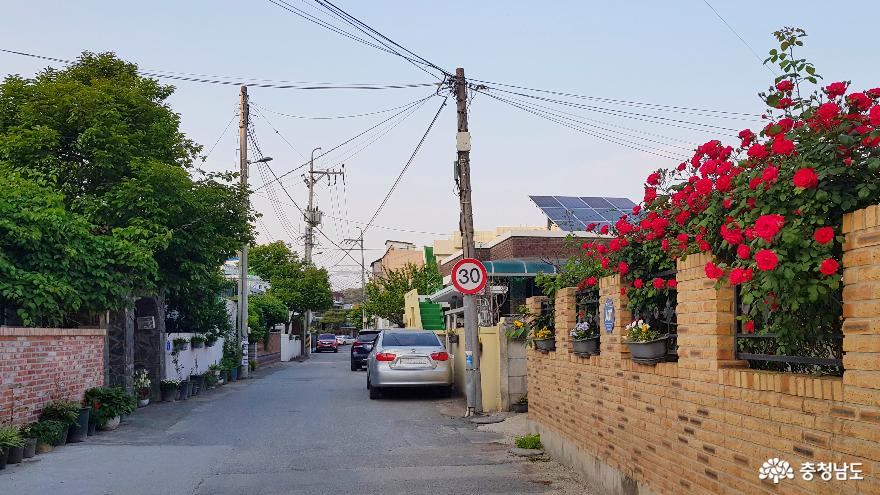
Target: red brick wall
{"type": "Point", "coordinates": [38, 365]}
{"type": "Point", "coordinates": [272, 352]}
{"type": "Point", "coordinates": [550, 248]}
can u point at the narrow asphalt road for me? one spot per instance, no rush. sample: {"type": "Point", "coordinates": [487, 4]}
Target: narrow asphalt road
{"type": "Point", "coordinates": [297, 428]}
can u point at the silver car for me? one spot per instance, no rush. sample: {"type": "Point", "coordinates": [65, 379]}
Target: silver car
{"type": "Point", "coordinates": [408, 358]}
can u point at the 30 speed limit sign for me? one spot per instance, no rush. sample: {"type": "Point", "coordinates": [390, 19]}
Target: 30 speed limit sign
{"type": "Point", "coordinates": [469, 276]}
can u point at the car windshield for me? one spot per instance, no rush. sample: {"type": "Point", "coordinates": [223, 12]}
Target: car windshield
{"type": "Point", "coordinates": [410, 339]}
{"type": "Point", "coordinates": [326, 336]}
{"type": "Point", "coordinates": [367, 337]}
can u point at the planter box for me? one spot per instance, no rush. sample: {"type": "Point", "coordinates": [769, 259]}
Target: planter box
{"type": "Point", "coordinates": [78, 432]}
{"type": "Point", "coordinates": [169, 394]}
{"type": "Point", "coordinates": [16, 454]}
{"type": "Point", "coordinates": [30, 448]}
{"type": "Point", "coordinates": [545, 344]}
{"type": "Point", "coordinates": [519, 408]}
{"type": "Point", "coordinates": [651, 352]}
{"type": "Point", "coordinates": [588, 346]}
{"type": "Point", "coordinates": [110, 424]}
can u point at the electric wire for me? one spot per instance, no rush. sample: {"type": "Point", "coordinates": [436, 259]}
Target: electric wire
{"type": "Point", "coordinates": [204, 157]}
{"type": "Point", "coordinates": [334, 117]}
{"type": "Point", "coordinates": [744, 42]}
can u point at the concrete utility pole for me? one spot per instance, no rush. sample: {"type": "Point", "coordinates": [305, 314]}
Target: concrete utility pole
{"type": "Point", "coordinates": [242, 326]}
{"type": "Point", "coordinates": [312, 217]}
{"type": "Point", "coordinates": [360, 241]}
{"type": "Point", "coordinates": [466, 223]}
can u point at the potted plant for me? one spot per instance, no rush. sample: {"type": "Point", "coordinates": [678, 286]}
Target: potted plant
{"type": "Point", "coordinates": [10, 438]}
{"type": "Point", "coordinates": [47, 433]}
{"type": "Point", "coordinates": [179, 344]}
{"type": "Point", "coordinates": [30, 443]}
{"type": "Point", "coordinates": [197, 341]}
{"type": "Point", "coordinates": [142, 385]}
{"type": "Point", "coordinates": [522, 405]}
{"type": "Point", "coordinates": [544, 339]}
{"type": "Point", "coordinates": [210, 340]}
{"type": "Point", "coordinates": [213, 377]}
{"type": "Point", "coordinates": [109, 404]}
{"type": "Point", "coordinates": [67, 412]}
{"type": "Point", "coordinates": [585, 339]}
{"type": "Point", "coordinates": [169, 390]}
{"type": "Point", "coordinates": [646, 345]}
{"type": "Point", "coordinates": [185, 390]}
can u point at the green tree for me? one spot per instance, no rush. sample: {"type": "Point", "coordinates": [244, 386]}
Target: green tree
{"type": "Point", "coordinates": [264, 312]}
{"type": "Point", "coordinates": [385, 294]}
{"type": "Point", "coordinates": [107, 141]}
{"type": "Point", "coordinates": [355, 317]}
{"type": "Point", "coordinates": [334, 317]}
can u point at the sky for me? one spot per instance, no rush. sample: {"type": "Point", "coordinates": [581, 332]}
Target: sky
{"type": "Point", "coordinates": [675, 53]}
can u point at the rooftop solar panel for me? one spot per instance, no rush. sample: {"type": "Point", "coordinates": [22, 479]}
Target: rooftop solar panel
{"type": "Point", "coordinates": [573, 213]}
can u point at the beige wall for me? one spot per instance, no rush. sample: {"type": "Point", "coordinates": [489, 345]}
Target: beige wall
{"type": "Point", "coordinates": [490, 366]}
{"type": "Point", "coordinates": [445, 247]}
{"type": "Point", "coordinates": [395, 259]}
{"type": "Point", "coordinates": [412, 316]}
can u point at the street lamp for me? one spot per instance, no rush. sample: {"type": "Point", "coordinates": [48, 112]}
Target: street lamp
{"type": "Point", "coordinates": [261, 160]}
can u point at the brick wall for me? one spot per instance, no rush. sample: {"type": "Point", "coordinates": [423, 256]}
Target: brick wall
{"type": "Point", "coordinates": [272, 352]}
{"type": "Point", "coordinates": [707, 423]}
{"type": "Point", "coordinates": [551, 248]}
{"type": "Point", "coordinates": [41, 364]}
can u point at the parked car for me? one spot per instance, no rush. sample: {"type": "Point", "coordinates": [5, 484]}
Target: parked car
{"type": "Point", "coordinates": [361, 347]}
{"type": "Point", "coordinates": [349, 340]}
{"type": "Point", "coordinates": [340, 340]}
{"type": "Point", "coordinates": [408, 358]}
{"type": "Point", "coordinates": [326, 342]}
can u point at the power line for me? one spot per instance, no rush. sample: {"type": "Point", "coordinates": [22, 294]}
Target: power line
{"type": "Point", "coordinates": [334, 117]}
{"type": "Point", "coordinates": [346, 141]}
{"type": "Point", "coordinates": [222, 134]}
{"type": "Point", "coordinates": [744, 42]}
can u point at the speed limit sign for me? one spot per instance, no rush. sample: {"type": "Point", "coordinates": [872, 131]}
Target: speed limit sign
{"type": "Point", "coordinates": [469, 276]}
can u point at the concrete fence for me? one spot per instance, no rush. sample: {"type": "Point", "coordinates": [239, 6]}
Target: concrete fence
{"type": "Point", "coordinates": [708, 423]}
{"type": "Point", "coordinates": [38, 365]}
{"type": "Point", "coordinates": [190, 361]}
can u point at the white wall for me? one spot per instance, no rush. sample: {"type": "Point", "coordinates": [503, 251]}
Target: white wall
{"type": "Point", "coordinates": [291, 347]}
{"type": "Point", "coordinates": [206, 356]}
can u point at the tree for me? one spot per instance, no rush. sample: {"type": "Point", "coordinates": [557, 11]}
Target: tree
{"type": "Point", "coordinates": [264, 312]}
{"type": "Point", "coordinates": [385, 294]}
{"type": "Point", "coordinates": [334, 317]}
{"type": "Point", "coordinates": [105, 139]}
{"type": "Point", "coordinates": [355, 317]}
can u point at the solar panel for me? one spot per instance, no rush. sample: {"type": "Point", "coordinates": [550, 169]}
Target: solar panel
{"type": "Point", "coordinates": [572, 213]}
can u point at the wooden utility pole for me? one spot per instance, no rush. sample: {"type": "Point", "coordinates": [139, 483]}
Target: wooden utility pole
{"type": "Point", "coordinates": [360, 242]}
{"type": "Point", "coordinates": [242, 326]}
{"type": "Point", "coordinates": [466, 223]}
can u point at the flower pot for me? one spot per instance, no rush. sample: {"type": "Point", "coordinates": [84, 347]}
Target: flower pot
{"type": "Point", "coordinates": [44, 448]}
{"type": "Point", "coordinates": [519, 408]}
{"type": "Point", "coordinates": [62, 440]}
{"type": "Point", "coordinates": [169, 394]}
{"type": "Point", "coordinates": [110, 424]}
{"type": "Point", "coordinates": [196, 388]}
{"type": "Point", "coordinates": [651, 352]}
{"type": "Point", "coordinates": [30, 448]}
{"type": "Point", "coordinates": [92, 427]}
{"type": "Point", "coordinates": [545, 344]}
{"type": "Point", "coordinates": [143, 402]}
{"type": "Point", "coordinates": [16, 454]}
{"type": "Point", "coordinates": [198, 345]}
{"type": "Point", "coordinates": [586, 346]}
{"type": "Point", "coordinates": [79, 431]}
{"type": "Point", "coordinates": [233, 374]}
{"type": "Point", "coordinates": [184, 390]}
{"type": "Point", "coordinates": [4, 455]}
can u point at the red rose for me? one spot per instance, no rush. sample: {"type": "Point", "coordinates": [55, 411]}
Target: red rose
{"type": "Point", "coordinates": [623, 268]}
{"type": "Point", "coordinates": [757, 151]}
{"type": "Point", "coordinates": [728, 202]}
{"type": "Point", "coordinates": [713, 272]}
{"type": "Point", "coordinates": [585, 245]}
{"type": "Point", "coordinates": [723, 183]}
{"type": "Point", "coordinates": [658, 283]}
{"type": "Point", "coordinates": [653, 179]}
{"type": "Point", "coordinates": [829, 267]}
{"type": "Point", "coordinates": [835, 89]}
{"type": "Point", "coordinates": [591, 281]}
{"type": "Point", "coordinates": [650, 195]}
{"type": "Point", "coordinates": [824, 235]}
{"type": "Point", "coordinates": [859, 100]}
{"type": "Point", "coordinates": [672, 283]}
{"type": "Point", "coordinates": [604, 229]}
{"type": "Point", "coordinates": [767, 226]}
{"type": "Point", "coordinates": [636, 209]}
{"type": "Point", "coordinates": [874, 114]}
{"type": "Point", "coordinates": [704, 186]}
{"type": "Point", "coordinates": [638, 284]}
{"type": "Point", "coordinates": [770, 173]}
{"type": "Point", "coordinates": [782, 146]}
{"type": "Point", "coordinates": [784, 85]}
{"type": "Point", "coordinates": [805, 178]}
{"type": "Point", "coordinates": [827, 111]}
{"type": "Point", "coordinates": [681, 166]}
{"type": "Point", "coordinates": [743, 252]}
{"type": "Point", "coordinates": [623, 291]}
{"type": "Point", "coordinates": [766, 260]}
{"type": "Point", "coordinates": [733, 236]}
{"type": "Point", "coordinates": [786, 124]}
{"type": "Point", "coordinates": [784, 103]}
{"type": "Point", "coordinates": [750, 326]}
{"type": "Point", "coordinates": [664, 244]}
{"type": "Point", "coordinates": [605, 262]}
{"type": "Point", "coordinates": [590, 227]}
{"type": "Point", "coordinates": [740, 275]}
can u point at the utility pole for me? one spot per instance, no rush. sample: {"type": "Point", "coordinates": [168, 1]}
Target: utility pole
{"type": "Point", "coordinates": [466, 223]}
{"type": "Point", "coordinates": [360, 241]}
{"type": "Point", "coordinates": [312, 217]}
{"type": "Point", "coordinates": [242, 326]}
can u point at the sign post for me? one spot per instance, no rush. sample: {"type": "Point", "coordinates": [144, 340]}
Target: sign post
{"type": "Point", "coordinates": [469, 277]}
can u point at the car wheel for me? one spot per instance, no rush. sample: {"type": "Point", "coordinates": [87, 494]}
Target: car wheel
{"type": "Point", "coordinates": [446, 392]}
{"type": "Point", "coordinates": [354, 367]}
{"type": "Point", "coordinates": [375, 393]}
{"type": "Point", "coordinates": [335, 350]}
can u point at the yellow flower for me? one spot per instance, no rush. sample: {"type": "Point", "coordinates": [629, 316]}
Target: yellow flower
{"type": "Point", "coordinates": [517, 324]}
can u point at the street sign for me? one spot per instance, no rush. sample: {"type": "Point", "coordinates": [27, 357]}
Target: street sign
{"type": "Point", "coordinates": [469, 276]}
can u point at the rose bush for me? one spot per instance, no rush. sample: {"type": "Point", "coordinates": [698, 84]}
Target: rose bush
{"type": "Point", "coordinates": [769, 210]}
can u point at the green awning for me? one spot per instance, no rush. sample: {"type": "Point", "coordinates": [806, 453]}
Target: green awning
{"type": "Point", "coordinates": [518, 267]}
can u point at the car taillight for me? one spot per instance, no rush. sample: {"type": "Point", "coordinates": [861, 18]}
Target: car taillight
{"type": "Point", "coordinates": [357, 344]}
{"type": "Point", "coordinates": [440, 356]}
{"type": "Point", "coordinates": [385, 356]}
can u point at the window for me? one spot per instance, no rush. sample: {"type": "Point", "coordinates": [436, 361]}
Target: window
{"type": "Point", "coordinates": [410, 339]}
{"type": "Point", "coordinates": [326, 336]}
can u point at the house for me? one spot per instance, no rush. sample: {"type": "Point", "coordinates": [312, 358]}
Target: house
{"type": "Point", "coordinates": [397, 255]}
